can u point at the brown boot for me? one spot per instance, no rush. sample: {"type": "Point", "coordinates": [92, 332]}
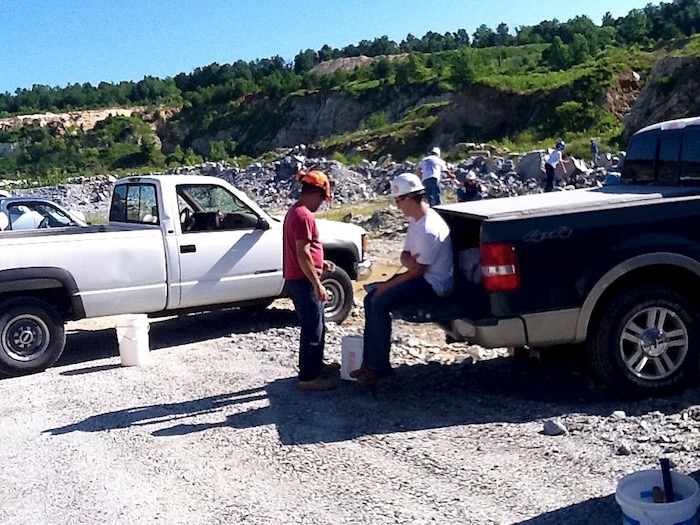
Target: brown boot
{"type": "Point", "coordinates": [330, 369]}
{"type": "Point", "coordinates": [359, 372]}
{"type": "Point", "coordinates": [320, 383]}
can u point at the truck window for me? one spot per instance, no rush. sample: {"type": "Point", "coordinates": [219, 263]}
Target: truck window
{"type": "Point", "coordinates": [134, 203]}
{"type": "Point", "coordinates": [669, 152]}
{"type": "Point", "coordinates": [690, 157]}
{"type": "Point", "coordinates": [207, 207]}
{"type": "Point", "coordinates": [639, 162]}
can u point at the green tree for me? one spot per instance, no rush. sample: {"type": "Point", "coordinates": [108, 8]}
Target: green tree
{"type": "Point", "coordinates": [557, 55]}
{"type": "Point", "coordinates": [579, 49]}
{"type": "Point", "coordinates": [304, 61]}
{"type": "Point", "coordinates": [462, 69]}
{"type": "Point", "coordinates": [483, 36]}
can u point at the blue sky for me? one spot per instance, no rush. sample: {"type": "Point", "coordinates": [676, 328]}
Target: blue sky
{"type": "Point", "coordinates": [61, 42]}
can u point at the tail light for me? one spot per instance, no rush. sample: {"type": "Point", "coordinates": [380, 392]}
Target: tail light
{"type": "Point", "coordinates": [499, 267]}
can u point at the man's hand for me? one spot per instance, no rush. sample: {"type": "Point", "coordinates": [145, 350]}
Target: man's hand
{"type": "Point", "coordinates": [381, 288]}
{"type": "Point", "coordinates": [321, 293]}
{"type": "Point", "coordinates": [328, 266]}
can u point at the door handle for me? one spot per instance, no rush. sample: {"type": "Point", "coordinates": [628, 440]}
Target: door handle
{"type": "Point", "coordinates": [188, 248]}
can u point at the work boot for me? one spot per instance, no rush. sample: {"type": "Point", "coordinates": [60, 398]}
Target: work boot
{"type": "Point", "coordinates": [320, 383]}
{"type": "Point", "coordinates": [330, 369]}
{"type": "Point", "coordinates": [373, 378]}
{"type": "Point", "coordinates": [359, 372]}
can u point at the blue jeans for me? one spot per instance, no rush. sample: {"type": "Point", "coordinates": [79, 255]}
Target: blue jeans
{"type": "Point", "coordinates": [432, 191]}
{"type": "Point", "coordinates": [310, 313]}
{"type": "Point", "coordinates": [549, 185]}
{"type": "Point", "coordinates": [377, 337]}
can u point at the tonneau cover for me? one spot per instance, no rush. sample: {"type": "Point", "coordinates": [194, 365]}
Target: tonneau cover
{"type": "Point", "coordinates": [555, 203]}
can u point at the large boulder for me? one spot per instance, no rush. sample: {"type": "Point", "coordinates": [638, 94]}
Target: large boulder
{"type": "Point", "coordinates": [531, 165]}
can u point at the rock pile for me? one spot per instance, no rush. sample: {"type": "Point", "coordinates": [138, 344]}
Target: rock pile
{"type": "Point", "coordinates": [273, 186]}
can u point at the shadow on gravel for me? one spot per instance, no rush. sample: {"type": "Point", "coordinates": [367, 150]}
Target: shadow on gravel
{"type": "Point", "coordinates": [433, 396]}
{"type": "Point", "coordinates": [416, 397]}
{"type": "Point", "coordinates": [594, 510]}
{"type": "Point", "coordinates": [87, 345]}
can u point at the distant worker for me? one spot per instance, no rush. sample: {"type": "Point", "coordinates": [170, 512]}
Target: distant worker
{"type": "Point", "coordinates": [302, 266]}
{"type": "Point", "coordinates": [431, 169]}
{"type": "Point", "coordinates": [551, 163]}
{"type": "Point", "coordinates": [595, 150]}
{"type": "Point", "coordinates": [471, 190]}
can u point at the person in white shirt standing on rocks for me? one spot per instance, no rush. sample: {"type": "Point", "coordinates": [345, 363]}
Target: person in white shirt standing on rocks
{"type": "Point", "coordinates": [431, 169]}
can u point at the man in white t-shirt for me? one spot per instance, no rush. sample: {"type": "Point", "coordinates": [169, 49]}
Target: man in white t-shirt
{"type": "Point", "coordinates": [431, 169]}
{"type": "Point", "coordinates": [427, 257]}
{"type": "Point", "coordinates": [551, 165]}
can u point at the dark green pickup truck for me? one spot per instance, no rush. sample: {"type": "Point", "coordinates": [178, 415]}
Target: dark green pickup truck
{"type": "Point", "coordinates": [616, 267]}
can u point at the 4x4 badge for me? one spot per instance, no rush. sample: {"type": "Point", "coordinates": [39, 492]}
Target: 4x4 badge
{"type": "Point", "coordinates": [537, 236]}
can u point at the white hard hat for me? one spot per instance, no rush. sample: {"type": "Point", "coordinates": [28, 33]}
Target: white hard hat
{"type": "Point", "coordinates": [404, 184]}
{"type": "Point", "coordinates": [471, 175]}
{"type": "Point", "coordinates": [436, 151]}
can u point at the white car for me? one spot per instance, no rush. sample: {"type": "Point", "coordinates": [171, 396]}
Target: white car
{"type": "Point", "coordinates": [29, 213]}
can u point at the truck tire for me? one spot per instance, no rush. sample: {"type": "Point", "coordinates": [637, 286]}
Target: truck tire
{"type": "Point", "coordinates": [32, 336]}
{"type": "Point", "coordinates": [647, 339]}
{"type": "Point", "coordinates": [340, 294]}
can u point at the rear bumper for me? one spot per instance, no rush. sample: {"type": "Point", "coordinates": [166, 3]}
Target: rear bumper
{"type": "Point", "coordinates": [490, 333]}
{"type": "Point", "coordinates": [363, 270]}
{"type": "Point", "coordinates": [534, 330]}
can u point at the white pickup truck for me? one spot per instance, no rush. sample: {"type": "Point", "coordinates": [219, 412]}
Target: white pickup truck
{"type": "Point", "coordinates": [173, 244]}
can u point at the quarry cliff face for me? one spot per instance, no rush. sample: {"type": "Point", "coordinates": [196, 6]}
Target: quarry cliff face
{"type": "Point", "coordinates": [670, 92]}
{"type": "Point", "coordinates": [480, 112]}
{"type": "Point", "coordinates": [59, 123]}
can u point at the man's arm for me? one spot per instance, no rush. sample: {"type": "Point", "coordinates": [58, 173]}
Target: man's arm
{"type": "Point", "coordinates": [413, 270]}
{"type": "Point", "coordinates": [306, 262]}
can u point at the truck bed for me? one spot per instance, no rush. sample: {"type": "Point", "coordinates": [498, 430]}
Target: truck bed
{"type": "Point", "coordinates": [556, 203]}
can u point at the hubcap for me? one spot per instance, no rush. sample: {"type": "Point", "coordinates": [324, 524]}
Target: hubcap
{"type": "Point", "coordinates": [654, 343]}
{"type": "Point", "coordinates": [336, 297]}
{"type": "Point", "coordinates": [25, 338]}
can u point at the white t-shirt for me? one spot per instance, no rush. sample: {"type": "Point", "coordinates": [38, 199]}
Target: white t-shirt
{"type": "Point", "coordinates": [429, 240]}
{"type": "Point", "coordinates": [432, 166]}
{"type": "Point", "coordinates": [554, 158]}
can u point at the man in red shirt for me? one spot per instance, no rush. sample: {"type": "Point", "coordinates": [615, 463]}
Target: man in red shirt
{"type": "Point", "coordinates": [302, 266]}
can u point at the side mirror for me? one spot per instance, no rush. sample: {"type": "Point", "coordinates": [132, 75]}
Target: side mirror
{"type": "Point", "coordinates": [263, 224]}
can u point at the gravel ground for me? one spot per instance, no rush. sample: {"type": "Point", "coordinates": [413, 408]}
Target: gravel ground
{"type": "Point", "coordinates": [214, 430]}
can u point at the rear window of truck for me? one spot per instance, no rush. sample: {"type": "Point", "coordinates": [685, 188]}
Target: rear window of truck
{"type": "Point", "coordinates": [664, 157]}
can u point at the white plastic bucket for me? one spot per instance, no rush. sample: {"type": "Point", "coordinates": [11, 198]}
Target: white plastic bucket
{"type": "Point", "coordinates": [351, 355]}
{"type": "Point", "coordinates": [132, 336]}
{"type": "Point", "coordinates": [634, 495]}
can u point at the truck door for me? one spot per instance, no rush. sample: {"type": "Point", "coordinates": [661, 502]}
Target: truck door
{"type": "Point", "coordinates": [226, 252]}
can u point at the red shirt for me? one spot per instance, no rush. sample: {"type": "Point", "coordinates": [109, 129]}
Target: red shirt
{"type": "Point", "coordinates": [300, 224]}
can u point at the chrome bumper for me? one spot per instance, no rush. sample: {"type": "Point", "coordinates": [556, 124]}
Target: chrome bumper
{"type": "Point", "coordinates": [363, 270]}
{"type": "Point", "coordinates": [496, 334]}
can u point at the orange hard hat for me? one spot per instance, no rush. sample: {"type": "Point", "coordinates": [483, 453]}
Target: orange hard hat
{"type": "Point", "coordinates": [316, 178]}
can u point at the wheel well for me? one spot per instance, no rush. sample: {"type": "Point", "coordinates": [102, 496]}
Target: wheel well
{"type": "Point", "coordinates": [56, 297]}
{"type": "Point", "coordinates": [343, 259]}
{"type": "Point", "coordinates": [681, 279]}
